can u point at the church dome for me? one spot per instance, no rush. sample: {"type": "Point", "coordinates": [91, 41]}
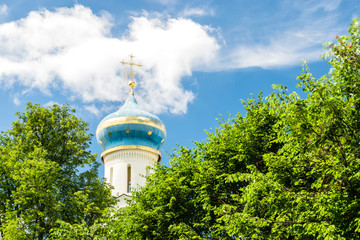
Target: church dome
{"type": "Point", "coordinates": [131, 127]}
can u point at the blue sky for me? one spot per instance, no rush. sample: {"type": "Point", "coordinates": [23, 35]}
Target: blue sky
{"type": "Point", "coordinates": [200, 57]}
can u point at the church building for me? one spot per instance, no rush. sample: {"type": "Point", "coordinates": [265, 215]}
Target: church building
{"type": "Point", "coordinates": [130, 139]}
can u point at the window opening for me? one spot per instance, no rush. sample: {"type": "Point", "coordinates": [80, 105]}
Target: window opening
{"type": "Point", "coordinates": [129, 178]}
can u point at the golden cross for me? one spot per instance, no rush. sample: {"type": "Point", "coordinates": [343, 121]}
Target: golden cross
{"type": "Point", "coordinates": [131, 74]}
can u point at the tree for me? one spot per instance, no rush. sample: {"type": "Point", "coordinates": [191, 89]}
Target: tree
{"type": "Point", "coordinates": [288, 169]}
{"type": "Point", "coordinates": [41, 185]}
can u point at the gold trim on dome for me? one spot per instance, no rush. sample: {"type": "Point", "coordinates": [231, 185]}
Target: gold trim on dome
{"type": "Point", "coordinates": [130, 147]}
{"type": "Point", "coordinates": [131, 120]}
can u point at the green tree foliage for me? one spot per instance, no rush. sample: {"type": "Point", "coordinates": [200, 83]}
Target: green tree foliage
{"type": "Point", "coordinates": [289, 169]}
{"type": "Point", "coordinates": [41, 187]}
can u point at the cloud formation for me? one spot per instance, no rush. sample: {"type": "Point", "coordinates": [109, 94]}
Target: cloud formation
{"type": "Point", "coordinates": [72, 50]}
{"type": "Point", "coordinates": [287, 50]}
{"type": "Point", "coordinates": [297, 32]}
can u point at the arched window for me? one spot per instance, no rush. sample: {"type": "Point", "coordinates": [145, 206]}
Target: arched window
{"type": "Point", "coordinates": [129, 178]}
{"type": "Point", "coordinates": [111, 176]}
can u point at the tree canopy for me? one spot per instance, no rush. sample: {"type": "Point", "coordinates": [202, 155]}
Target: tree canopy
{"type": "Point", "coordinates": [41, 185]}
{"type": "Point", "coordinates": [288, 169]}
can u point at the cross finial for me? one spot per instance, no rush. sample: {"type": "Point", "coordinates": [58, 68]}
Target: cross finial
{"type": "Point", "coordinates": [131, 74]}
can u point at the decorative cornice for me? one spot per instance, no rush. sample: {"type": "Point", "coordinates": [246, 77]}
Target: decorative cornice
{"type": "Point", "coordinates": [130, 147]}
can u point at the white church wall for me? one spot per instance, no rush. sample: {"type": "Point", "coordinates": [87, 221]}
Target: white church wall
{"type": "Point", "coordinates": [139, 160]}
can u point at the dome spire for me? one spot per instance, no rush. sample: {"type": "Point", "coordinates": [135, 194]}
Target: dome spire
{"type": "Point", "coordinates": [131, 74]}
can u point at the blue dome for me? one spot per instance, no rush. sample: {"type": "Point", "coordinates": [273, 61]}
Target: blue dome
{"type": "Point", "coordinates": [131, 126]}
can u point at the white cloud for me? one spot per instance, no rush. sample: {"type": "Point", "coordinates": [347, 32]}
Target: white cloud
{"type": "Point", "coordinates": [198, 12]}
{"type": "Point", "coordinates": [51, 103]}
{"type": "Point", "coordinates": [71, 50]}
{"type": "Point", "coordinates": [166, 2]}
{"type": "Point", "coordinates": [300, 37]}
{"type": "Point", "coordinates": [93, 109]}
{"type": "Point", "coordinates": [170, 51]}
{"type": "Point", "coordinates": [16, 100]}
{"type": "Point", "coordinates": [312, 6]}
{"type": "Point", "coordinates": [3, 9]}
{"type": "Point", "coordinates": [285, 50]}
